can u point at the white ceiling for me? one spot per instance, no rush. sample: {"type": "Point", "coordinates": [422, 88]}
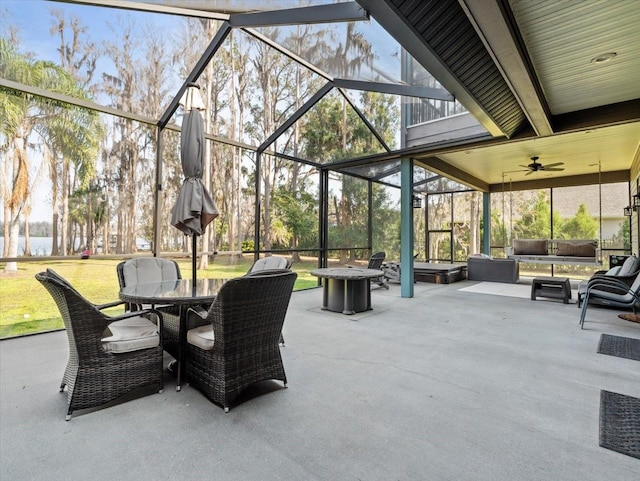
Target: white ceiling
{"type": "Point", "coordinates": [614, 147]}
{"type": "Point", "coordinates": [562, 37]}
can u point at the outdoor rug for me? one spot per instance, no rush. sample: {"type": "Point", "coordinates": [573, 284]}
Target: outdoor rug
{"type": "Point", "coordinates": [522, 291]}
{"type": "Point", "coordinates": [620, 423]}
{"type": "Point", "coordinates": [630, 317]}
{"type": "Point", "coordinates": [619, 346]}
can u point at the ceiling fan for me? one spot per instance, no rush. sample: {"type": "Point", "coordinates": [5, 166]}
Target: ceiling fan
{"type": "Point", "coordinates": [535, 166]}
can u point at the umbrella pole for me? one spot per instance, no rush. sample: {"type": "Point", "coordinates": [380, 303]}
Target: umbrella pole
{"type": "Point", "coordinates": [193, 261]}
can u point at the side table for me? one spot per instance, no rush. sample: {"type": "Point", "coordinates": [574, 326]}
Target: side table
{"type": "Point", "coordinates": [552, 287]}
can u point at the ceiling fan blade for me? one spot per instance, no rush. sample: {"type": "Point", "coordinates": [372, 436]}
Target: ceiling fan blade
{"type": "Point", "coordinates": [530, 172]}
{"type": "Point", "coordinates": [553, 165]}
{"type": "Point", "coordinates": [553, 169]}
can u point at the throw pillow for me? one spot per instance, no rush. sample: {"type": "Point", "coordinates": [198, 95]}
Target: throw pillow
{"type": "Point", "coordinates": [613, 271]}
{"type": "Point", "coordinates": [630, 266]}
{"type": "Point", "coordinates": [530, 247]}
{"type": "Point", "coordinates": [582, 249]}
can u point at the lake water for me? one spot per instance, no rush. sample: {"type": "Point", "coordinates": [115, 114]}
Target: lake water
{"type": "Point", "coordinates": [42, 246]}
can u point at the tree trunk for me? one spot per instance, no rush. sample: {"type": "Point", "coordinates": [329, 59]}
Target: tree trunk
{"type": "Point", "coordinates": [14, 232]}
{"type": "Point", "coordinates": [19, 186]}
{"type": "Point", "coordinates": [27, 240]}
{"type": "Point", "coordinates": [65, 209]}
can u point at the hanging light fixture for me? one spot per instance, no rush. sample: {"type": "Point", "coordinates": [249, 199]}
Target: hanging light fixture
{"type": "Point", "coordinates": [628, 210]}
{"type": "Point", "coordinates": [636, 201]}
{"type": "Point", "coordinates": [417, 202]}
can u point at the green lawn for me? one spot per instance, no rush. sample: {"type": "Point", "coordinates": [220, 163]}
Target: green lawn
{"type": "Point", "coordinates": [26, 307]}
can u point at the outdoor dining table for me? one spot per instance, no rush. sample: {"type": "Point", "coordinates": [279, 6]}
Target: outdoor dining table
{"type": "Point", "coordinates": [346, 289]}
{"type": "Point", "coordinates": [183, 293]}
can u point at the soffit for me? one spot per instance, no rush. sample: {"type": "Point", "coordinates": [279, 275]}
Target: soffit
{"type": "Point", "coordinates": [439, 34]}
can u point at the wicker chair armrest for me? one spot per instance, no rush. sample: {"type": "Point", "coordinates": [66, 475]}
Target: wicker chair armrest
{"type": "Point", "coordinates": [196, 317]}
{"type": "Point", "coordinates": [100, 307]}
{"type": "Point", "coordinates": [142, 313]}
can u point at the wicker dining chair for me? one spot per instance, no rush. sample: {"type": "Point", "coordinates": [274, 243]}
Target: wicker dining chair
{"type": "Point", "coordinates": [146, 269]}
{"type": "Point", "coordinates": [109, 356]}
{"type": "Point", "coordinates": [238, 345]}
{"type": "Point", "coordinates": [153, 269]}
{"type": "Point", "coordinates": [270, 263]}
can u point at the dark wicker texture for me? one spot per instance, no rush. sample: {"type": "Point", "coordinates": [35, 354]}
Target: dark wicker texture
{"type": "Point", "coordinates": [171, 313]}
{"type": "Point", "coordinates": [619, 346]}
{"type": "Point", "coordinates": [258, 269]}
{"type": "Point", "coordinates": [93, 376]}
{"type": "Point", "coordinates": [620, 423]}
{"type": "Point", "coordinates": [247, 318]}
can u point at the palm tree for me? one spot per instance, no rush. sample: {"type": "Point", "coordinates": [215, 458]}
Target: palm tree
{"type": "Point", "coordinates": [67, 132]}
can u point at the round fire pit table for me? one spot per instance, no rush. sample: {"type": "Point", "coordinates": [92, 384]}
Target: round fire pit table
{"type": "Point", "coordinates": [346, 289]}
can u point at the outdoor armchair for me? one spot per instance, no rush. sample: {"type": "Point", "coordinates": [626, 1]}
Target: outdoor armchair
{"type": "Point", "coordinates": [236, 343]}
{"type": "Point", "coordinates": [627, 273]}
{"type": "Point", "coordinates": [109, 356]}
{"type": "Point", "coordinates": [154, 269]}
{"type": "Point", "coordinates": [146, 269]}
{"type": "Point", "coordinates": [611, 292]}
{"type": "Point", "coordinates": [375, 262]}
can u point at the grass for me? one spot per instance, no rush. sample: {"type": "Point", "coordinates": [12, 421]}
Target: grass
{"type": "Point", "coordinates": [27, 308]}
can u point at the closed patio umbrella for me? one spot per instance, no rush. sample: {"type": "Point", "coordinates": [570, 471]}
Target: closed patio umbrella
{"type": "Point", "coordinates": [195, 208]}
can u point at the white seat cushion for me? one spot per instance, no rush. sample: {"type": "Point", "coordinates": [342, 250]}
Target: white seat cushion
{"type": "Point", "coordinates": [130, 334]}
{"type": "Point", "coordinates": [201, 337]}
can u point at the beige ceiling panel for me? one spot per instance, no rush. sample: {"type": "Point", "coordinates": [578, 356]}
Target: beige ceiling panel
{"type": "Point", "coordinates": [614, 147]}
{"type": "Point", "coordinates": [563, 37]}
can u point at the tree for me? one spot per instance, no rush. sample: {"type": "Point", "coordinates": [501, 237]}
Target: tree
{"type": "Point", "coordinates": [580, 226]}
{"type": "Point", "coordinates": [24, 116]}
{"type": "Point", "coordinates": [623, 237]}
{"type": "Point", "coordinates": [78, 58]}
{"type": "Point", "coordinates": [134, 88]}
{"type": "Point", "coordinates": [535, 219]}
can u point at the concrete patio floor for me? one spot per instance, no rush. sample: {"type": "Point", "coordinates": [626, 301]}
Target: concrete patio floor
{"type": "Point", "coordinates": [448, 385]}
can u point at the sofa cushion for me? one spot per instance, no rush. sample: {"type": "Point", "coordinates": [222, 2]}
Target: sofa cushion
{"type": "Point", "coordinates": [530, 247]}
{"type": "Point", "coordinates": [629, 266]}
{"type": "Point", "coordinates": [581, 249]}
{"type": "Point", "coordinates": [614, 271]}
{"type": "Point", "coordinates": [131, 334]}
